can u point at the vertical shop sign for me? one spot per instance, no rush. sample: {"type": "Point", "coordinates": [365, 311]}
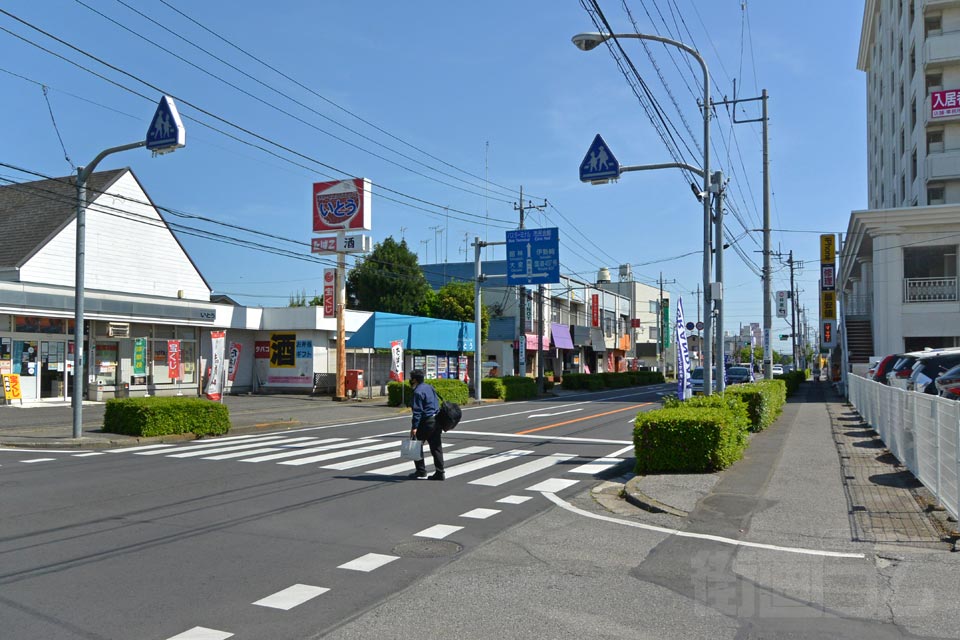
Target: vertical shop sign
{"type": "Point", "coordinates": [595, 310]}
{"type": "Point", "coordinates": [173, 359]}
{"type": "Point", "coordinates": [215, 384]}
{"type": "Point", "coordinates": [396, 352]}
{"type": "Point", "coordinates": [329, 294]}
{"type": "Point", "coordinates": [140, 357]}
{"type": "Point", "coordinates": [235, 348]}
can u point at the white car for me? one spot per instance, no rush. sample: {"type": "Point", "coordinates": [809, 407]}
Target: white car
{"type": "Point", "coordinates": [777, 370]}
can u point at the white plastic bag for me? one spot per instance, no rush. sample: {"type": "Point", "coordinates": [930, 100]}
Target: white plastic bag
{"type": "Point", "coordinates": [411, 449]}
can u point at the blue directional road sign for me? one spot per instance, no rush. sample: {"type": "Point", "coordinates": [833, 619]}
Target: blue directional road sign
{"type": "Point", "coordinates": [599, 163]}
{"type": "Point", "coordinates": [166, 131]}
{"type": "Point", "coordinates": [533, 256]}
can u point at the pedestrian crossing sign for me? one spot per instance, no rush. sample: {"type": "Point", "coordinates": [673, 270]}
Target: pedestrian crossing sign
{"type": "Point", "coordinates": [599, 165]}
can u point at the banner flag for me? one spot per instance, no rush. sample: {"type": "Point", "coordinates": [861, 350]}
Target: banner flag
{"type": "Point", "coordinates": [215, 384]}
{"type": "Point", "coordinates": [173, 359]}
{"type": "Point", "coordinates": [396, 351]}
{"type": "Point", "coordinates": [683, 355]}
{"type": "Point", "coordinates": [753, 345]}
{"type": "Point", "coordinates": [235, 348]}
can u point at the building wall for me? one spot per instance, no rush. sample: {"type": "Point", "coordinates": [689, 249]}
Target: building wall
{"type": "Point", "coordinates": [128, 249]}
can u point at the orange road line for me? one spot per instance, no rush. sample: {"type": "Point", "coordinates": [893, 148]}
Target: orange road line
{"type": "Point", "coordinates": [596, 415]}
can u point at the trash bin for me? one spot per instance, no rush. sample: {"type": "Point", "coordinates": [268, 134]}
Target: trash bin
{"type": "Point", "coordinates": [354, 380]}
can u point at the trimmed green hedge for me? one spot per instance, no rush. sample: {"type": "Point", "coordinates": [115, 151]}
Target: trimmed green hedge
{"type": "Point", "coordinates": [518, 388]}
{"type": "Point", "coordinates": [148, 417]}
{"type": "Point", "coordinates": [764, 400]}
{"type": "Point", "coordinates": [492, 388]}
{"type": "Point", "coordinates": [451, 390]}
{"type": "Point", "coordinates": [731, 402]}
{"type": "Point", "coordinates": [793, 380]}
{"type": "Point", "coordinates": [597, 381]}
{"type": "Point", "coordinates": [688, 439]}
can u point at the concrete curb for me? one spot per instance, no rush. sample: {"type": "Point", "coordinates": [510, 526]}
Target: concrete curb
{"type": "Point", "coordinates": [633, 494]}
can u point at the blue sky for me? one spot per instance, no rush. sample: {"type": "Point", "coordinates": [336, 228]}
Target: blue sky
{"type": "Point", "coordinates": [449, 108]}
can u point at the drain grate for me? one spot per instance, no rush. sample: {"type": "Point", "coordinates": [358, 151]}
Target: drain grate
{"type": "Point", "coordinates": [427, 549]}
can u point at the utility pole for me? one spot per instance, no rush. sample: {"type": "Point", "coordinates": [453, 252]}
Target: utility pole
{"type": "Point", "coordinates": [718, 295]}
{"type": "Point", "coordinates": [794, 264]}
{"type": "Point", "coordinates": [437, 231]}
{"type": "Point", "coordinates": [661, 329]}
{"type": "Point", "coordinates": [699, 334]}
{"type": "Point", "coordinates": [402, 229]}
{"type": "Point", "coordinates": [522, 301]}
{"type": "Point", "coordinates": [767, 273]}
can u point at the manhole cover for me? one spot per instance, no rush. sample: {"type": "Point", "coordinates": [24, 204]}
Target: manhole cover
{"type": "Point", "coordinates": [427, 549]}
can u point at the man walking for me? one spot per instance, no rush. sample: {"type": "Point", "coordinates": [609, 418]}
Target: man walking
{"type": "Point", "coordinates": [425, 405]}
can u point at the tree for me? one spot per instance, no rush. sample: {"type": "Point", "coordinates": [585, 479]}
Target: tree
{"type": "Point", "coordinates": [454, 301]}
{"type": "Point", "coordinates": [300, 300]}
{"type": "Point", "coordinates": [389, 280]}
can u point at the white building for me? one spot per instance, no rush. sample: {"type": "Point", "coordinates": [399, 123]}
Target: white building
{"type": "Point", "coordinates": [142, 292]}
{"type": "Point", "coordinates": [898, 262]}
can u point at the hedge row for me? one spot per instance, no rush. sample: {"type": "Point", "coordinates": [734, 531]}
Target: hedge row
{"type": "Point", "coordinates": [793, 380]}
{"type": "Point", "coordinates": [764, 400]}
{"type": "Point", "coordinates": [510, 388]}
{"type": "Point", "coordinates": [450, 390]}
{"type": "Point", "coordinates": [148, 417]}
{"type": "Point", "coordinates": [689, 439]}
{"type": "Point", "coordinates": [596, 381]}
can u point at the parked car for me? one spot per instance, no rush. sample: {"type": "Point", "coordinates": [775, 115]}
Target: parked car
{"type": "Point", "coordinates": [928, 368]}
{"type": "Point", "coordinates": [899, 375]}
{"type": "Point", "coordinates": [777, 370]}
{"type": "Point", "coordinates": [948, 383]}
{"type": "Point", "coordinates": [739, 375]}
{"type": "Point", "coordinates": [883, 368]}
{"type": "Point", "coordinates": [696, 381]}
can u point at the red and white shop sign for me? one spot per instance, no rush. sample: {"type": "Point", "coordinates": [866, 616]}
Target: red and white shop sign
{"type": "Point", "coordinates": [261, 350]}
{"type": "Point", "coordinates": [329, 280]}
{"type": "Point", "coordinates": [944, 104]}
{"type": "Point", "coordinates": [341, 205]}
{"type": "Point", "coordinates": [173, 359]}
{"type": "Point", "coordinates": [595, 310]}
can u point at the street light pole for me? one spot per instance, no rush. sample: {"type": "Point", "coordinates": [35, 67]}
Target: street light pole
{"type": "Point", "coordinates": [588, 41]}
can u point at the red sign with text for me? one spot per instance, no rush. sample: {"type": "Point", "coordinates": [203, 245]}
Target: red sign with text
{"type": "Point", "coordinates": [173, 359]}
{"type": "Point", "coordinates": [261, 349]}
{"type": "Point", "coordinates": [595, 310]}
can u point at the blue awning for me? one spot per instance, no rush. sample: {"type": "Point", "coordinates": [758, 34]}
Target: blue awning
{"type": "Point", "coordinates": [423, 334]}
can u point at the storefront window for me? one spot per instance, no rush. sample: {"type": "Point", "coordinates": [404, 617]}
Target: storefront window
{"type": "Point", "coordinates": [189, 361]}
{"type": "Point", "coordinates": [158, 361]}
{"type": "Point", "coordinates": [106, 356]}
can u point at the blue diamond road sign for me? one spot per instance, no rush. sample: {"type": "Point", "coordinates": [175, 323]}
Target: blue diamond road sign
{"type": "Point", "coordinates": [599, 163]}
{"type": "Point", "coordinates": [533, 256]}
{"type": "Point", "coordinates": [166, 131]}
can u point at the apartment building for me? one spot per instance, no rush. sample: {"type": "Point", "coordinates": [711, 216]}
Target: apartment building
{"type": "Point", "coordinates": [898, 262]}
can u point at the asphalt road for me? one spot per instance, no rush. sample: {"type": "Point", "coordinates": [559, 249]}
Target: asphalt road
{"type": "Point", "coordinates": [284, 535]}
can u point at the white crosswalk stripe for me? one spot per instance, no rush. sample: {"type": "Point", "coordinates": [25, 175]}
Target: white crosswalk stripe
{"type": "Point", "coordinates": [372, 446]}
{"type": "Point", "coordinates": [503, 477]}
{"type": "Point", "coordinates": [406, 467]}
{"type": "Point", "coordinates": [342, 454]}
{"type": "Point", "coordinates": [483, 463]}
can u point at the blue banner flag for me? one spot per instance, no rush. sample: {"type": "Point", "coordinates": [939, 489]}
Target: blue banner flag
{"type": "Point", "coordinates": [683, 356]}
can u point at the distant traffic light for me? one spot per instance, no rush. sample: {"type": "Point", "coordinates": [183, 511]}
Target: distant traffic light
{"type": "Point", "coordinates": [784, 336]}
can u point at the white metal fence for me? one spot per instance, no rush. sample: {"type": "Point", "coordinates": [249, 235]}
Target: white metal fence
{"type": "Point", "coordinates": [922, 431]}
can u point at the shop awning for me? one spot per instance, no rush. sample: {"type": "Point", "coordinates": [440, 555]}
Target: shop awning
{"type": "Point", "coordinates": [531, 341]}
{"type": "Point", "coordinates": [596, 339]}
{"type": "Point", "coordinates": [561, 336]}
{"type": "Point", "coordinates": [424, 334]}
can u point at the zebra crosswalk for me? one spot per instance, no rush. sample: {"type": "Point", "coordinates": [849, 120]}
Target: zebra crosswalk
{"type": "Point", "coordinates": [380, 456]}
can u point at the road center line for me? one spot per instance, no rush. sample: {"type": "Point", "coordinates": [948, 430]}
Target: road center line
{"type": "Point", "coordinates": [596, 415]}
{"type": "Point", "coordinates": [702, 536]}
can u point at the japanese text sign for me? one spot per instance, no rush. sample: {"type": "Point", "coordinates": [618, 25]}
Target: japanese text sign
{"type": "Point", "coordinates": [533, 256]}
{"type": "Point", "coordinates": [341, 205]}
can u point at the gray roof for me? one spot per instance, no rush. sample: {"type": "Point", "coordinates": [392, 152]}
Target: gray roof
{"type": "Point", "coordinates": [31, 213]}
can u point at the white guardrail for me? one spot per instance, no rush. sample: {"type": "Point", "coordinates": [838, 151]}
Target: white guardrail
{"type": "Point", "coordinates": [921, 430]}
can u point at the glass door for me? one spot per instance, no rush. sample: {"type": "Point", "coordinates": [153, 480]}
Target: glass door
{"type": "Point", "coordinates": [53, 365]}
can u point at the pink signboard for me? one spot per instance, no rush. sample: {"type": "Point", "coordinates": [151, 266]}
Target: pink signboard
{"type": "Point", "coordinates": [341, 205]}
{"type": "Point", "coordinates": [944, 104]}
{"type": "Point", "coordinates": [329, 280]}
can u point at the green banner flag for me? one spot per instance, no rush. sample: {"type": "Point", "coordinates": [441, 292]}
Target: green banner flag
{"type": "Point", "coordinates": [140, 357]}
{"type": "Point", "coordinates": [666, 324]}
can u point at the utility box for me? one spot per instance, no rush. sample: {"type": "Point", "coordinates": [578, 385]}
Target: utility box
{"type": "Point", "coordinates": [122, 390]}
{"type": "Point", "coordinates": [354, 380]}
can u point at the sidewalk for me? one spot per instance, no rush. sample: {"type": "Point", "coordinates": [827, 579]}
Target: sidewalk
{"type": "Point", "coordinates": [828, 468]}
{"type": "Point", "coordinates": [50, 425]}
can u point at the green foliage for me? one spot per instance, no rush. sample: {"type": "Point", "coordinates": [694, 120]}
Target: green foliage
{"type": "Point", "coordinates": [451, 391]}
{"type": "Point", "coordinates": [389, 280]}
{"type": "Point", "coordinates": [492, 388]}
{"type": "Point", "coordinates": [299, 299]}
{"type": "Point", "coordinates": [518, 388]}
{"type": "Point", "coordinates": [454, 301]}
{"type": "Point", "coordinates": [793, 380]}
{"type": "Point", "coordinates": [687, 439]}
{"type": "Point", "coordinates": [149, 417]}
{"type": "Point", "coordinates": [732, 402]}
{"type": "Point", "coordinates": [764, 400]}
{"type": "Point", "coordinates": [596, 381]}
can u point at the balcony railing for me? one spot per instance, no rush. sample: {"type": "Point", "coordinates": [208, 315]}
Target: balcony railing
{"type": "Point", "coordinates": [929, 289]}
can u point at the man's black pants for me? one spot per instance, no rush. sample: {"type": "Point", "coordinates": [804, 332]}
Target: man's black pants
{"type": "Point", "coordinates": [429, 432]}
